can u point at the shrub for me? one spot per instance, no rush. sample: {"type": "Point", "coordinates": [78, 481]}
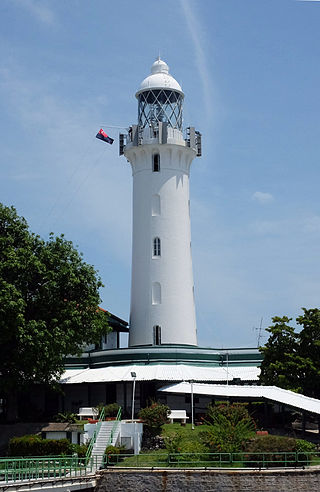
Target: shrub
{"type": "Point", "coordinates": [172, 442]}
{"type": "Point", "coordinates": [154, 417]}
{"type": "Point", "coordinates": [234, 412]}
{"type": "Point", "coordinates": [34, 445]}
{"type": "Point", "coordinates": [194, 451]}
{"type": "Point", "coordinates": [230, 428]}
{"type": "Point", "coordinates": [112, 453]}
{"type": "Point", "coordinates": [67, 417]}
{"type": "Point", "coordinates": [110, 410]}
{"type": "Point", "coordinates": [112, 450]}
{"type": "Point", "coordinates": [80, 449]}
{"type": "Point", "coordinates": [274, 448]}
{"type": "Point", "coordinates": [303, 447]}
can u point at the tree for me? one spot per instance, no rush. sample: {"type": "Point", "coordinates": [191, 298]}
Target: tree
{"type": "Point", "coordinates": [49, 301]}
{"type": "Point", "coordinates": [277, 367]}
{"type": "Point", "coordinates": [292, 360]}
{"type": "Point", "coordinates": [309, 351]}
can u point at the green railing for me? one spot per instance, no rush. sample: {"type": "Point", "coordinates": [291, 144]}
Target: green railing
{"type": "Point", "coordinates": [95, 434]}
{"type": "Point", "coordinates": [13, 470]}
{"type": "Point", "coordinates": [214, 460]}
{"type": "Point", "coordinates": [37, 468]}
{"type": "Point", "coordinates": [114, 427]}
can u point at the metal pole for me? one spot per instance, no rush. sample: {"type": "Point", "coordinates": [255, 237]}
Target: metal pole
{"type": "Point", "coordinates": [192, 422]}
{"type": "Point", "coordinates": [133, 392]}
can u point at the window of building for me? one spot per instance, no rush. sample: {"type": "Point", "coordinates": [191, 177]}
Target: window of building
{"type": "Point", "coordinates": [156, 247]}
{"type": "Point", "coordinates": [156, 163]}
{"type": "Point", "coordinates": [157, 335]}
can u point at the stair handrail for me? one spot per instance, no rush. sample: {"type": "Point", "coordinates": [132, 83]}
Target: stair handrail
{"type": "Point", "coordinates": [95, 434]}
{"type": "Point", "coordinates": [114, 427]}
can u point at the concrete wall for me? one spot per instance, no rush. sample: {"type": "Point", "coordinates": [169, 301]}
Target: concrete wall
{"type": "Point", "coordinates": [213, 481]}
{"type": "Point", "coordinates": [131, 435]}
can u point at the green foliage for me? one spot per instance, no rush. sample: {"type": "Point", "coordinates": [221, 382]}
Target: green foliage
{"type": "Point", "coordinates": [173, 442]}
{"type": "Point", "coordinates": [154, 416]}
{"type": "Point", "coordinates": [276, 446]}
{"type": "Point", "coordinates": [278, 365]}
{"type": "Point", "coordinates": [80, 450]}
{"type": "Point", "coordinates": [194, 451]}
{"type": "Point", "coordinates": [303, 446]}
{"type": "Point", "coordinates": [110, 410]}
{"type": "Point", "coordinates": [309, 351]}
{"type": "Point", "coordinates": [34, 445]}
{"type": "Point", "coordinates": [271, 444]}
{"type": "Point", "coordinates": [114, 450]}
{"type": "Point", "coordinates": [292, 360]}
{"type": "Point", "coordinates": [180, 440]}
{"type": "Point", "coordinates": [48, 304]}
{"type": "Point", "coordinates": [67, 417]}
{"type": "Point", "coordinates": [230, 427]}
{"type": "Point", "coordinates": [234, 412]}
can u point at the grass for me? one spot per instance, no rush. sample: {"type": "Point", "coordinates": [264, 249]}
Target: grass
{"type": "Point", "coordinates": [191, 453]}
{"type": "Point", "coordinates": [186, 431]}
{"type": "Point", "coordinates": [188, 439]}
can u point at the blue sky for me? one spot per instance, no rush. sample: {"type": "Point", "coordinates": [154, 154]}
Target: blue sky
{"type": "Point", "coordinates": [251, 76]}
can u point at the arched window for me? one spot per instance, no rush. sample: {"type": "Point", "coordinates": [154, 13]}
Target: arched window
{"type": "Point", "coordinates": [156, 247]}
{"type": "Point", "coordinates": [156, 163]}
{"type": "Point", "coordinates": [157, 335]}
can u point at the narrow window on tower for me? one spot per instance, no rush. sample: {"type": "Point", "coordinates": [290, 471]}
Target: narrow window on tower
{"type": "Point", "coordinates": [156, 293]}
{"type": "Point", "coordinates": [156, 247]}
{"type": "Point", "coordinates": [157, 335]}
{"type": "Point", "coordinates": [156, 163]}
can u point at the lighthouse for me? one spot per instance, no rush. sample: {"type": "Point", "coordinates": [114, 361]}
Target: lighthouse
{"type": "Point", "coordinates": [160, 152]}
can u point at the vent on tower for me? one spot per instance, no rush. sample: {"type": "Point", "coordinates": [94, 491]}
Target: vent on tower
{"type": "Point", "coordinates": [121, 143]}
{"type": "Point", "coordinates": [198, 144]}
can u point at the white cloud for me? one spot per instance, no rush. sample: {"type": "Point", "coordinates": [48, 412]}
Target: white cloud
{"type": "Point", "coordinates": [195, 28]}
{"type": "Point", "coordinates": [262, 198]}
{"type": "Point", "coordinates": [38, 9]}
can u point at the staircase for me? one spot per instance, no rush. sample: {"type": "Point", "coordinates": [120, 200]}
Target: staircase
{"type": "Point", "coordinates": [105, 439]}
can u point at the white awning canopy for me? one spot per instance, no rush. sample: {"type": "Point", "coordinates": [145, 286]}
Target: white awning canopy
{"type": "Point", "coordinates": [272, 393]}
{"type": "Point", "coordinates": [159, 372]}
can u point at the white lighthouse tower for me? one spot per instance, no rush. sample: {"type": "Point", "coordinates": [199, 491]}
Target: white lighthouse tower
{"type": "Point", "coordinates": [162, 291]}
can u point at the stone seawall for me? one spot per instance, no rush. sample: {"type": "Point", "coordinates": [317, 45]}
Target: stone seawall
{"type": "Point", "coordinates": [208, 480]}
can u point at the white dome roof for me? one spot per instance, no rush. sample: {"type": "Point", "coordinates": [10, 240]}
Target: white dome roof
{"type": "Point", "coordinates": [159, 79]}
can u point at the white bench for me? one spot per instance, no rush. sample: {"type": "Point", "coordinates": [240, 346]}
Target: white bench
{"type": "Point", "coordinates": [87, 412]}
{"type": "Point", "coordinates": [178, 415]}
